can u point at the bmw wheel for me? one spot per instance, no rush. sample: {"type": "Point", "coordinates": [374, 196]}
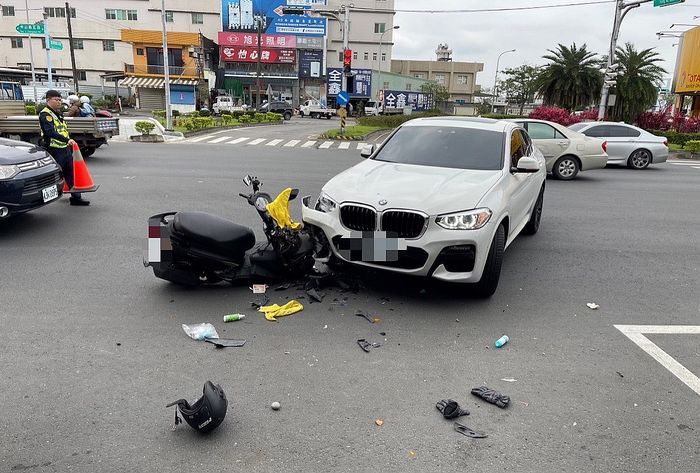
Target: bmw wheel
{"type": "Point", "coordinates": [565, 168]}
{"type": "Point", "coordinates": [639, 159]}
{"type": "Point", "coordinates": [492, 269]}
{"type": "Point", "coordinates": [534, 223]}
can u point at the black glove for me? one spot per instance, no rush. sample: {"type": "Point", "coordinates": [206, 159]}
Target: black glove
{"type": "Point", "coordinates": [450, 409]}
{"type": "Point", "coordinates": [492, 396]}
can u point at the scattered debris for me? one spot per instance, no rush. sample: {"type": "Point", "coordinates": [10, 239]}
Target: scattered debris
{"type": "Point", "coordinates": [684, 427]}
{"type": "Point", "coordinates": [259, 288]}
{"type": "Point", "coordinates": [119, 344]}
{"type": "Point", "coordinates": [283, 287]}
{"type": "Point", "coordinates": [325, 326]}
{"type": "Point", "coordinates": [370, 319]}
{"type": "Point", "coordinates": [509, 380]}
{"type": "Point", "coordinates": [379, 422]}
{"type": "Point", "coordinates": [225, 342]}
{"type": "Point", "coordinates": [275, 406]}
{"type": "Point", "coordinates": [468, 432]}
{"type": "Point", "coordinates": [492, 396]}
{"type": "Point", "coordinates": [450, 409]}
{"type": "Point", "coordinates": [383, 334]}
{"type": "Point", "coordinates": [592, 305]}
{"type": "Point", "coordinates": [620, 374]}
{"type": "Point", "coordinates": [502, 341]}
{"type": "Point", "coordinates": [315, 296]}
{"type": "Point", "coordinates": [366, 346]}
{"type": "Point", "coordinates": [273, 311]}
{"type": "Point", "coordinates": [411, 454]}
{"type": "Point", "coordinates": [200, 331]}
{"type": "Point", "coordinates": [457, 320]}
{"type": "Point", "coordinates": [260, 302]}
{"type": "Point", "coordinates": [233, 317]}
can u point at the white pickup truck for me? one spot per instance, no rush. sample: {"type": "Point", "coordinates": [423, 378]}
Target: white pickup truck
{"type": "Point", "coordinates": [227, 104]}
{"type": "Point", "coordinates": [315, 110]}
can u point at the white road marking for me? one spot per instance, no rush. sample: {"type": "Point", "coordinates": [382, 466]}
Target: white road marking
{"type": "Point", "coordinates": [256, 141]}
{"type": "Point", "coordinates": [326, 145]}
{"type": "Point", "coordinates": [636, 334]}
{"type": "Point", "coordinates": [237, 140]}
{"type": "Point", "coordinates": [200, 138]}
{"type": "Point", "coordinates": [308, 144]}
{"type": "Point", "coordinates": [679, 163]}
{"type": "Point", "coordinates": [274, 142]}
{"type": "Point", "coordinates": [344, 145]}
{"type": "Point", "coordinates": [361, 145]}
{"type": "Point", "coordinates": [220, 131]}
{"type": "Point", "coordinates": [291, 143]}
{"type": "Point", "coordinates": [696, 167]}
{"type": "Point", "coordinates": [219, 140]}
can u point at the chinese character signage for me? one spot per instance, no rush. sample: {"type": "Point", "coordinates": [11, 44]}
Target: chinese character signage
{"type": "Point", "coordinates": [267, 55]}
{"type": "Point", "coordinates": [251, 39]}
{"type": "Point", "coordinates": [244, 16]}
{"type": "Point", "coordinates": [310, 63]}
{"type": "Point", "coordinates": [309, 42]}
{"type": "Point", "coordinates": [362, 80]}
{"type": "Point", "coordinates": [418, 101]}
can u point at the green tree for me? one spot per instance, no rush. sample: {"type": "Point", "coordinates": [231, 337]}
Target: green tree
{"type": "Point", "coordinates": [572, 79]}
{"type": "Point", "coordinates": [637, 82]}
{"type": "Point", "coordinates": [439, 91]}
{"type": "Point", "coordinates": [521, 84]}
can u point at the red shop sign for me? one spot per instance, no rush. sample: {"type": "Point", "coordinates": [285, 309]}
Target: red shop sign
{"type": "Point", "coordinates": [251, 39]}
{"type": "Point", "coordinates": [268, 55]}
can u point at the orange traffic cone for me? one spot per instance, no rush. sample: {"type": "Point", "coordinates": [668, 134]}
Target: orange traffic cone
{"type": "Point", "coordinates": [82, 182]}
{"type": "Point", "coordinates": [65, 187]}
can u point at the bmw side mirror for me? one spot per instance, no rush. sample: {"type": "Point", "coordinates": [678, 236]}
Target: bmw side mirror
{"type": "Point", "coordinates": [527, 164]}
{"type": "Point", "coordinates": [367, 151]}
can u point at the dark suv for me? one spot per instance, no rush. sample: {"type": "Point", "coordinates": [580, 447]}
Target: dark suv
{"type": "Point", "coordinates": [283, 108]}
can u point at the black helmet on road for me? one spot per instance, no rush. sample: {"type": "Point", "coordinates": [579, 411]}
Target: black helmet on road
{"type": "Point", "coordinates": [207, 412]}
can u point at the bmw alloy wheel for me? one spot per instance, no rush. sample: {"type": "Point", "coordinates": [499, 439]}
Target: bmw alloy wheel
{"type": "Point", "coordinates": [640, 159]}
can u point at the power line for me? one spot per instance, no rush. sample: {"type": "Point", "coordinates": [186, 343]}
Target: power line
{"type": "Point", "coordinates": [486, 10]}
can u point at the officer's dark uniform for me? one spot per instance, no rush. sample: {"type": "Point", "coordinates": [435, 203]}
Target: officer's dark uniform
{"type": "Point", "coordinates": [55, 135]}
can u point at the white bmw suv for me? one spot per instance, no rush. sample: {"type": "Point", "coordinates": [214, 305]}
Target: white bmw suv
{"type": "Point", "coordinates": [442, 197]}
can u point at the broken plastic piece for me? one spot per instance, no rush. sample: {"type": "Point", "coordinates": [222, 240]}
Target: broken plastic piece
{"type": "Point", "coordinates": [492, 396]}
{"type": "Point", "coordinates": [314, 295]}
{"type": "Point", "coordinates": [592, 305]}
{"type": "Point", "coordinates": [450, 409]}
{"type": "Point", "coordinates": [468, 432]}
{"type": "Point", "coordinates": [283, 287]}
{"type": "Point", "coordinates": [379, 422]}
{"type": "Point", "coordinates": [364, 344]}
{"type": "Point", "coordinates": [259, 288]}
{"type": "Point", "coordinates": [200, 331]}
{"type": "Point", "coordinates": [364, 314]}
{"type": "Point", "coordinates": [225, 342]}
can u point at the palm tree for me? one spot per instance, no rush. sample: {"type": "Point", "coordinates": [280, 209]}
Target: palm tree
{"type": "Point", "coordinates": [572, 79]}
{"type": "Point", "coordinates": [637, 81]}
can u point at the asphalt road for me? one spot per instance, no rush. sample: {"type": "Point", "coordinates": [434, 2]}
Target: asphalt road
{"type": "Point", "coordinates": [93, 349]}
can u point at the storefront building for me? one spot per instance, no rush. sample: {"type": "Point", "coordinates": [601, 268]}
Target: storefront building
{"type": "Point", "coordinates": [686, 81]}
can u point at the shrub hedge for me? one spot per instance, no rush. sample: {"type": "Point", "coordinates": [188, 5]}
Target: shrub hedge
{"type": "Point", "coordinates": [392, 121]}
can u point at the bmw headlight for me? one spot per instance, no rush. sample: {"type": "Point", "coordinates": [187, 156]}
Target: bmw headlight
{"type": "Point", "coordinates": [467, 220]}
{"type": "Point", "coordinates": [8, 172]}
{"type": "Point", "coordinates": [325, 204]}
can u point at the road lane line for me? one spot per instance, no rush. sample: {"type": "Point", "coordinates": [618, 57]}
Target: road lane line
{"type": "Point", "coordinates": [256, 141]}
{"type": "Point", "coordinates": [326, 145]}
{"type": "Point", "coordinates": [274, 142]}
{"type": "Point", "coordinates": [308, 144]}
{"type": "Point", "coordinates": [291, 143]}
{"type": "Point", "coordinates": [344, 145]}
{"type": "Point", "coordinates": [219, 140]}
{"type": "Point", "coordinates": [237, 140]}
{"type": "Point", "coordinates": [200, 138]}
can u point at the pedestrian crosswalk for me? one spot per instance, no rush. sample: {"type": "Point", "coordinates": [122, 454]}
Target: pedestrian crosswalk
{"type": "Point", "coordinates": [277, 142]}
{"type": "Point", "coordinates": [685, 164]}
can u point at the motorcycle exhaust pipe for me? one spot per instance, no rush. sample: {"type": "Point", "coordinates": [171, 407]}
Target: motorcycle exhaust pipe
{"type": "Point", "coordinates": [4, 212]}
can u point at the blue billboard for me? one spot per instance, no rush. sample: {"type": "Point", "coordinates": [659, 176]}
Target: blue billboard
{"type": "Point", "coordinates": [244, 15]}
{"type": "Point", "coordinates": [362, 81]}
{"type": "Point", "coordinates": [418, 101]}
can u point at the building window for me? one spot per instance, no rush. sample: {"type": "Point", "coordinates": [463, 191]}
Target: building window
{"type": "Point", "coordinates": [78, 44]}
{"type": "Point", "coordinates": [386, 85]}
{"type": "Point", "coordinates": [354, 55]}
{"type": "Point", "coordinates": [408, 86]}
{"type": "Point", "coordinates": [383, 56]}
{"type": "Point", "coordinates": [108, 45]}
{"type": "Point", "coordinates": [440, 79]}
{"type": "Point", "coordinates": [419, 75]}
{"type": "Point", "coordinates": [379, 27]}
{"type": "Point", "coordinates": [82, 75]}
{"type": "Point", "coordinates": [461, 79]}
{"type": "Point", "coordinates": [113, 14]}
{"type": "Point", "coordinates": [340, 56]}
{"type": "Point", "coordinates": [366, 56]}
{"type": "Point", "coordinates": [374, 56]}
{"type": "Point", "coordinates": [8, 10]}
{"type": "Point", "coordinates": [17, 43]}
{"type": "Point", "coordinates": [197, 18]}
{"type": "Point", "coordinates": [57, 12]}
{"type": "Point", "coordinates": [139, 51]}
{"type": "Point", "coordinates": [168, 16]}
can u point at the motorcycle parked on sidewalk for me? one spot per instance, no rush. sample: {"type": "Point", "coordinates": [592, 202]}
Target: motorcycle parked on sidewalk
{"type": "Point", "coordinates": [195, 248]}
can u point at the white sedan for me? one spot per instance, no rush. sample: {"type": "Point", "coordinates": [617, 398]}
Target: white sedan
{"type": "Point", "coordinates": [442, 197]}
{"type": "Point", "coordinates": [566, 151]}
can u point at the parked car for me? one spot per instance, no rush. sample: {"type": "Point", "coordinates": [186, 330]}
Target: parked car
{"type": "Point", "coordinates": [565, 151]}
{"type": "Point", "coordinates": [283, 108]}
{"type": "Point", "coordinates": [29, 177]}
{"type": "Point", "coordinates": [224, 103]}
{"type": "Point", "coordinates": [627, 144]}
{"type": "Point", "coordinates": [442, 197]}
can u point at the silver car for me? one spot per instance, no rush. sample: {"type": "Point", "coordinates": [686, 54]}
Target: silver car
{"type": "Point", "coordinates": [627, 144]}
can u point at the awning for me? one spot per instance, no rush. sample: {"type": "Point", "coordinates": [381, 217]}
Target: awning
{"type": "Point", "coordinates": [154, 82]}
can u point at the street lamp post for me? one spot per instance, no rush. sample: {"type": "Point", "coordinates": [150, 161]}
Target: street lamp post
{"type": "Point", "coordinates": [166, 72]}
{"type": "Point", "coordinates": [379, 78]}
{"type": "Point", "coordinates": [495, 78]}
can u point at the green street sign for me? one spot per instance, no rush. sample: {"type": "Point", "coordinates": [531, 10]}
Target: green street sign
{"type": "Point", "coordinates": [665, 3]}
{"type": "Point", "coordinates": [28, 28]}
{"type": "Point", "coordinates": [55, 44]}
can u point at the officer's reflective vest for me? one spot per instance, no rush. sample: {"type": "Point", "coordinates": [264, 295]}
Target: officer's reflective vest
{"type": "Point", "coordinates": [61, 129]}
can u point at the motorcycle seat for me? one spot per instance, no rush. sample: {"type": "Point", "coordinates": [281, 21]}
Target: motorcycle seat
{"type": "Point", "coordinates": [214, 233]}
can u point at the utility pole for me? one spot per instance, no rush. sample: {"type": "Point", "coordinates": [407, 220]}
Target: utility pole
{"type": "Point", "coordinates": [257, 66]}
{"type": "Point", "coordinates": [166, 72]}
{"type": "Point", "coordinates": [47, 42]}
{"type": "Point", "coordinates": [31, 53]}
{"type": "Point", "coordinates": [72, 51]}
{"type": "Point", "coordinates": [621, 9]}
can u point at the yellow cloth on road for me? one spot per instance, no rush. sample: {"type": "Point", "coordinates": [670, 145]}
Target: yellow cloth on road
{"type": "Point", "coordinates": [274, 310]}
{"type": "Point", "coordinates": [279, 210]}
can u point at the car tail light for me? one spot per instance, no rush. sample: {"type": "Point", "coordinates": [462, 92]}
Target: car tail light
{"type": "Point", "coordinates": [666, 142]}
{"type": "Point", "coordinates": [605, 146]}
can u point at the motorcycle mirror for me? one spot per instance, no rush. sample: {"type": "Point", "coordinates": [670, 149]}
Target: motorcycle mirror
{"type": "Point", "coordinates": [294, 194]}
{"type": "Point", "coordinates": [247, 180]}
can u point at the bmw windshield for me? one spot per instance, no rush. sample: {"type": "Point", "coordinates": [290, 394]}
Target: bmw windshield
{"type": "Point", "coordinates": [445, 146]}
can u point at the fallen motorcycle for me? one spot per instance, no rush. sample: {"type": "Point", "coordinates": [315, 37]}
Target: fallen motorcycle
{"type": "Point", "coordinates": [194, 248]}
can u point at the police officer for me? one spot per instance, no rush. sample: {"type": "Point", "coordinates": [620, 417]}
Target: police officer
{"type": "Point", "coordinates": [57, 142]}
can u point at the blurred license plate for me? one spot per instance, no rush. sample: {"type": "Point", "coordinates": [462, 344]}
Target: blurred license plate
{"type": "Point", "coordinates": [371, 247]}
{"type": "Point", "coordinates": [50, 193]}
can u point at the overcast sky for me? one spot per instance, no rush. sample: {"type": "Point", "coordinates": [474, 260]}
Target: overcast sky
{"type": "Point", "coordinates": [481, 37]}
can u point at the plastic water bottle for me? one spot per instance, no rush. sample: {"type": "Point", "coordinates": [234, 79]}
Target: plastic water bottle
{"type": "Point", "coordinates": [502, 341]}
{"type": "Point", "coordinates": [233, 317]}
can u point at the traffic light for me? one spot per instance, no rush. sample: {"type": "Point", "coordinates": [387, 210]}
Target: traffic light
{"type": "Point", "coordinates": [347, 61]}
